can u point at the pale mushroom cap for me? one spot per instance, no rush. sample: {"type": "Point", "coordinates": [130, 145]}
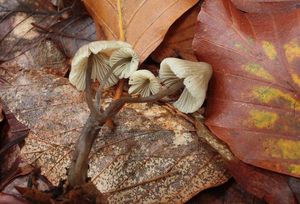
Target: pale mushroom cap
{"type": "Point", "coordinates": [129, 67]}
{"type": "Point", "coordinates": [196, 76]}
{"type": "Point", "coordinates": [101, 51]}
{"type": "Point", "coordinates": [143, 82]}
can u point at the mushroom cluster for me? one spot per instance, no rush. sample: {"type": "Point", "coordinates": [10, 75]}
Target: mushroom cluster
{"type": "Point", "coordinates": [114, 60]}
{"type": "Point", "coordinates": [102, 55]}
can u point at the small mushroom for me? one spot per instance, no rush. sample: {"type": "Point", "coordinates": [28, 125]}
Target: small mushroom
{"type": "Point", "coordinates": [100, 51]}
{"type": "Point", "coordinates": [143, 82]}
{"type": "Point", "coordinates": [129, 66]}
{"type": "Point", "coordinates": [195, 76]}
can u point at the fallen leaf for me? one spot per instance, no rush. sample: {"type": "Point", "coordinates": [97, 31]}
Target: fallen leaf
{"type": "Point", "coordinates": [10, 199]}
{"type": "Point", "coordinates": [17, 34]}
{"type": "Point", "coordinates": [154, 156]}
{"type": "Point", "coordinates": [12, 135]}
{"type": "Point", "coordinates": [253, 101]}
{"type": "Point", "coordinates": [295, 186]}
{"type": "Point", "coordinates": [266, 6]}
{"type": "Point", "coordinates": [142, 23]}
{"type": "Point", "coordinates": [1, 114]}
{"type": "Point", "coordinates": [228, 193]}
{"type": "Point", "coordinates": [178, 40]}
{"type": "Point", "coordinates": [266, 185]}
{"type": "Point", "coordinates": [271, 187]}
{"type": "Point", "coordinates": [15, 173]}
{"type": "Point", "coordinates": [75, 31]}
{"type": "Point", "coordinates": [35, 32]}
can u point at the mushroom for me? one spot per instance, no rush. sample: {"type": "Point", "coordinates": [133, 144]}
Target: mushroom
{"type": "Point", "coordinates": [195, 76]}
{"type": "Point", "coordinates": [143, 82]}
{"type": "Point", "coordinates": [98, 52]}
{"type": "Point", "coordinates": [129, 66]}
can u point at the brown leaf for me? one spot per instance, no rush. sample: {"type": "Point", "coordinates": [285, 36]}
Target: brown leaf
{"type": "Point", "coordinates": [12, 135]}
{"type": "Point", "coordinates": [144, 23]}
{"type": "Point", "coordinates": [266, 6]}
{"type": "Point", "coordinates": [178, 40]}
{"type": "Point", "coordinates": [1, 114]}
{"type": "Point", "coordinates": [261, 183]}
{"type": "Point", "coordinates": [74, 31]}
{"type": "Point", "coordinates": [15, 173]}
{"type": "Point", "coordinates": [152, 156]}
{"type": "Point", "coordinates": [17, 35]}
{"type": "Point", "coordinates": [271, 187]}
{"type": "Point", "coordinates": [32, 28]}
{"type": "Point", "coordinates": [229, 193]}
{"type": "Point", "coordinates": [253, 99]}
{"type": "Point", "coordinates": [9, 199]}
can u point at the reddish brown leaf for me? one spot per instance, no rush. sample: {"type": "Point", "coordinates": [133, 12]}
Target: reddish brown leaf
{"type": "Point", "coordinates": [271, 187]}
{"type": "Point", "coordinates": [9, 199]}
{"type": "Point", "coordinates": [1, 114]}
{"type": "Point", "coordinates": [141, 23]}
{"type": "Point", "coordinates": [12, 134]}
{"type": "Point", "coordinates": [253, 103]}
{"type": "Point", "coordinates": [19, 171]}
{"type": "Point", "coordinates": [229, 193]}
{"type": "Point", "coordinates": [178, 40]}
{"type": "Point", "coordinates": [266, 6]}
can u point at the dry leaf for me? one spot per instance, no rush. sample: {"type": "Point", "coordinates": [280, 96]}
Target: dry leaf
{"type": "Point", "coordinates": [17, 35]}
{"type": "Point", "coordinates": [12, 134]}
{"type": "Point", "coordinates": [178, 40]}
{"type": "Point", "coordinates": [28, 26]}
{"type": "Point", "coordinates": [253, 100]}
{"type": "Point", "coordinates": [1, 113]}
{"type": "Point", "coordinates": [9, 199]}
{"type": "Point", "coordinates": [266, 185]}
{"type": "Point", "coordinates": [75, 31]}
{"type": "Point", "coordinates": [144, 23]}
{"type": "Point", "coordinates": [266, 6]}
{"type": "Point", "coordinates": [152, 155]}
{"type": "Point", "coordinates": [229, 193]}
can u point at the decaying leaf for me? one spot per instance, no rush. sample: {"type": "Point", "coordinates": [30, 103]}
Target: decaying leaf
{"type": "Point", "coordinates": [75, 31]}
{"type": "Point", "coordinates": [17, 34]}
{"type": "Point", "coordinates": [253, 103]}
{"type": "Point", "coordinates": [152, 155]}
{"type": "Point", "coordinates": [12, 134]}
{"type": "Point", "coordinates": [266, 185]}
{"type": "Point", "coordinates": [28, 25]}
{"type": "Point", "coordinates": [266, 6]}
{"type": "Point", "coordinates": [178, 40]}
{"type": "Point", "coordinates": [144, 22]}
{"type": "Point", "coordinates": [229, 193]}
{"type": "Point", "coordinates": [9, 199]}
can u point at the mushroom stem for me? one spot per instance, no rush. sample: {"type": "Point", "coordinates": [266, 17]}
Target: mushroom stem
{"type": "Point", "coordinates": [77, 173]}
{"type": "Point", "coordinates": [106, 77]}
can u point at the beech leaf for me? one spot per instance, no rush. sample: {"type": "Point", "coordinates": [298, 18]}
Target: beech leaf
{"type": "Point", "coordinates": [253, 100]}
{"type": "Point", "coordinates": [178, 40]}
{"type": "Point", "coordinates": [143, 24]}
{"type": "Point", "coordinates": [153, 156]}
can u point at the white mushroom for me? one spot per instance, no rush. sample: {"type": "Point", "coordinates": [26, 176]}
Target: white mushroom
{"type": "Point", "coordinates": [127, 68]}
{"type": "Point", "coordinates": [195, 75]}
{"type": "Point", "coordinates": [143, 82]}
{"type": "Point", "coordinates": [100, 51]}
